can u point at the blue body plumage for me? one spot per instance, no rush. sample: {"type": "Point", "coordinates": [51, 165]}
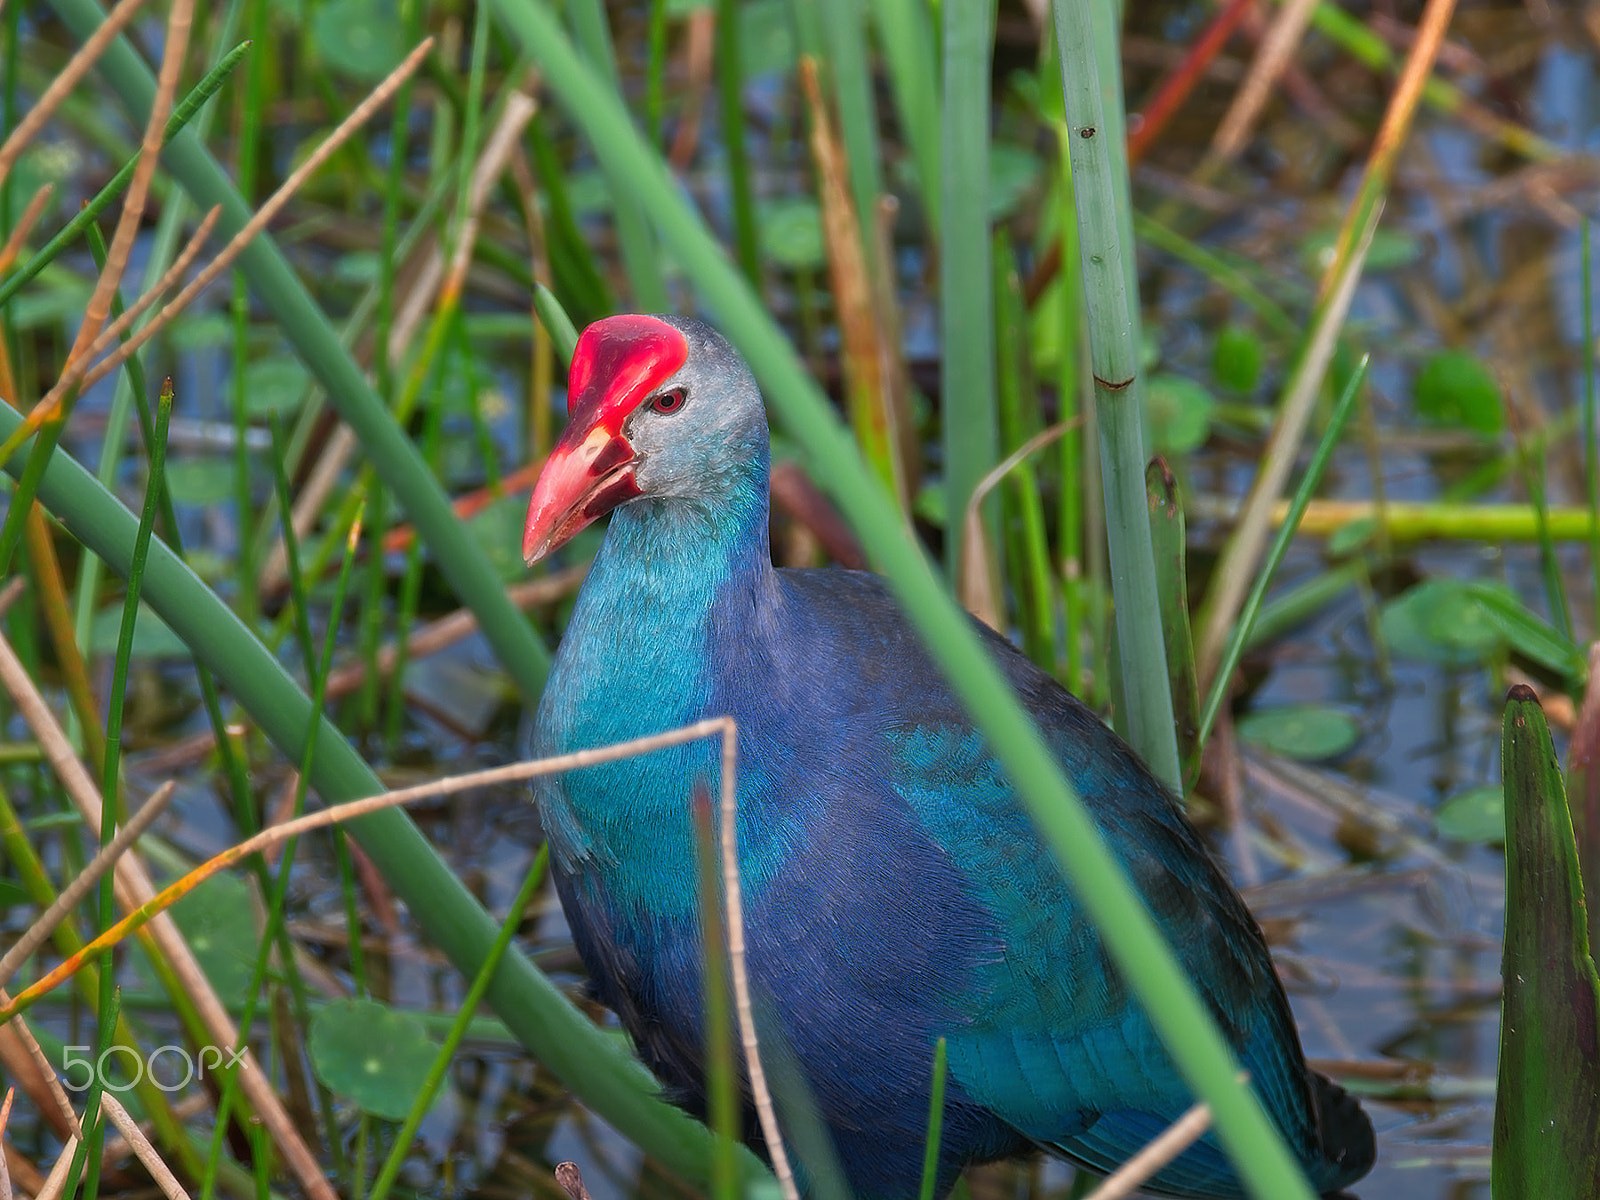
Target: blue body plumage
{"type": "Point", "coordinates": [895, 891]}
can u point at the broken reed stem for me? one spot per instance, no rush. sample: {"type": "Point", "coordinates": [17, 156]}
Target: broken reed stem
{"type": "Point", "coordinates": [142, 1149]}
{"type": "Point", "coordinates": [81, 375]}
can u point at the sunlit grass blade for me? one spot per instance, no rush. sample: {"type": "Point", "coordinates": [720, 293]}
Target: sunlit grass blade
{"type": "Point", "coordinates": [1547, 1101]}
{"type": "Point", "coordinates": [556, 323]}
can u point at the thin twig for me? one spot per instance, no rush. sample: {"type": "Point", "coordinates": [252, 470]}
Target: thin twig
{"type": "Point", "coordinates": [432, 281]}
{"type": "Point", "coordinates": [45, 924]}
{"type": "Point", "coordinates": [154, 905]}
{"type": "Point", "coordinates": [142, 1149]}
{"type": "Point", "coordinates": [259, 221]}
{"type": "Point", "coordinates": [736, 958]}
{"type": "Point", "coordinates": [25, 224]}
{"type": "Point", "coordinates": [61, 86]}
{"type": "Point", "coordinates": [1173, 1141]}
{"type": "Point", "coordinates": [5, 1120]}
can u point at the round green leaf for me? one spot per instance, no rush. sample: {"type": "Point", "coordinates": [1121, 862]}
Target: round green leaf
{"type": "Point", "coordinates": [1475, 815]}
{"type": "Point", "coordinates": [791, 233]}
{"type": "Point", "coordinates": [1454, 389]}
{"type": "Point", "coordinates": [498, 531]}
{"type": "Point", "coordinates": [766, 38]}
{"type": "Point", "coordinates": [358, 38]}
{"type": "Point", "coordinates": [200, 480]}
{"type": "Point", "coordinates": [1438, 621]}
{"type": "Point", "coordinates": [1304, 731]}
{"type": "Point", "coordinates": [1236, 361]}
{"type": "Point", "coordinates": [274, 385]}
{"type": "Point", "coordinates": [152, 637]}
{"type": "Point", "coordinates": [1178, 414]}
{"type": "Point", "coordinates": [218, 919]}
{"type": "Point", "coordinates": [374, 1055]}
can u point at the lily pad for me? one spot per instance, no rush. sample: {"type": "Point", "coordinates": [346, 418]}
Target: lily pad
{"type": "Point", "coordinates": [1440, 621]}
{"type": "Point", "coordinates": [791, 233]}
{"type": "Point", "coordinates": [360, 39]}
{"type": "Point", "coordinates": [1475, 815]}
{"type": "Point", "coordinates": [1178, 414]}
{"type": "Point", "coordinates": [372, 1054]}
{"type": "Point", "coordinates": [1236, 360]}
{"type": "Point", "coordinates": [1308, 732]}
{"type": "Point", "coordinates": [275, 384]}
{"type": "Point", "coordinates": [1455, 390]}
{"type": "Point", "coordinates": [152, 637]}
{"type": "Point", "coordinates": [218, 919]}
{"type": "Point", "coordinates": [200, 480]}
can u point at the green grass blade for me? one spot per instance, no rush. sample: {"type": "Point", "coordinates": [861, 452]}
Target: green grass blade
{"type": "Point", "coordinates": [1240, 636]}
{"type": "Point", "coordinates": [730, 98]}
{"type": "Point", "coordinates": [309, 331]}
{"type": "Point", "coordinates": [1106, 246]}
{"type": "Point", "coordinates": [1547, 1101]}
{"type": "Point", "coordinates": [966, 315]}
{"type": "Point", "coordinates": [1168, 539]}
{"type": "Point", "coordinates": [640, 258]}
{"type": "Point", "coordinates": [930, 1158]}
{"type": "Point", "coordinates": [905, 35]}
{"type": "Point", "coordinates": [845, 35]}
{"type": "Point", "coordinates": [181, 116]}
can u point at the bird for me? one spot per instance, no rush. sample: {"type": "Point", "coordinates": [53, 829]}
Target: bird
{"type": "Point", "coordinates": [895, 891]}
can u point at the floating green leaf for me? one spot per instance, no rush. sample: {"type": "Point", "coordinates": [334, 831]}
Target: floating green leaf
{"type": "Point", "coordinates": [1475, 815]}
{"type": "Point", "coordinates": [1455, 389]}
{"type": "Point", "coordinates": [1236, 360]}
{"type": "Point", "coordinates": [360, 39]}
{"type": "Point", "coordinates": [1440, 621]}
{"type": "Point", "coordinates": [218, 919]}
{"type": "Point", "coordinates": [275, 384]}
{"type": "Point", "coordinates": [152, 638]}
{"type": "Point", "coordinates": [1177, 414]}
{"type": "Point", "coordinates": [1547, 1102]}
{"type": "Point", "coordinates": [374, 1055]}
{"type": "Point", "coordinates": [200, 480]}
{"type": "Point", "coordinates": [1304, 731]}
{"type": "Point", "coordinates": [791, 233]}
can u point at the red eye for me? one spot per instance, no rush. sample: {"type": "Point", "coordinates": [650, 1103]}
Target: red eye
{"type": "Point", "coordinates": [667, 402]}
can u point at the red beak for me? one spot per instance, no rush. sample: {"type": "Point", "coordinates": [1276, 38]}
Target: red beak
{"type": "Point", "coordinates": [617, 363]}
{"type": "Point", "coordinates": [588, 474]}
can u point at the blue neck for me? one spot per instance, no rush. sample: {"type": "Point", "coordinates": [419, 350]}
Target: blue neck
{"type": "Point", "coordinates": [634, 661]}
